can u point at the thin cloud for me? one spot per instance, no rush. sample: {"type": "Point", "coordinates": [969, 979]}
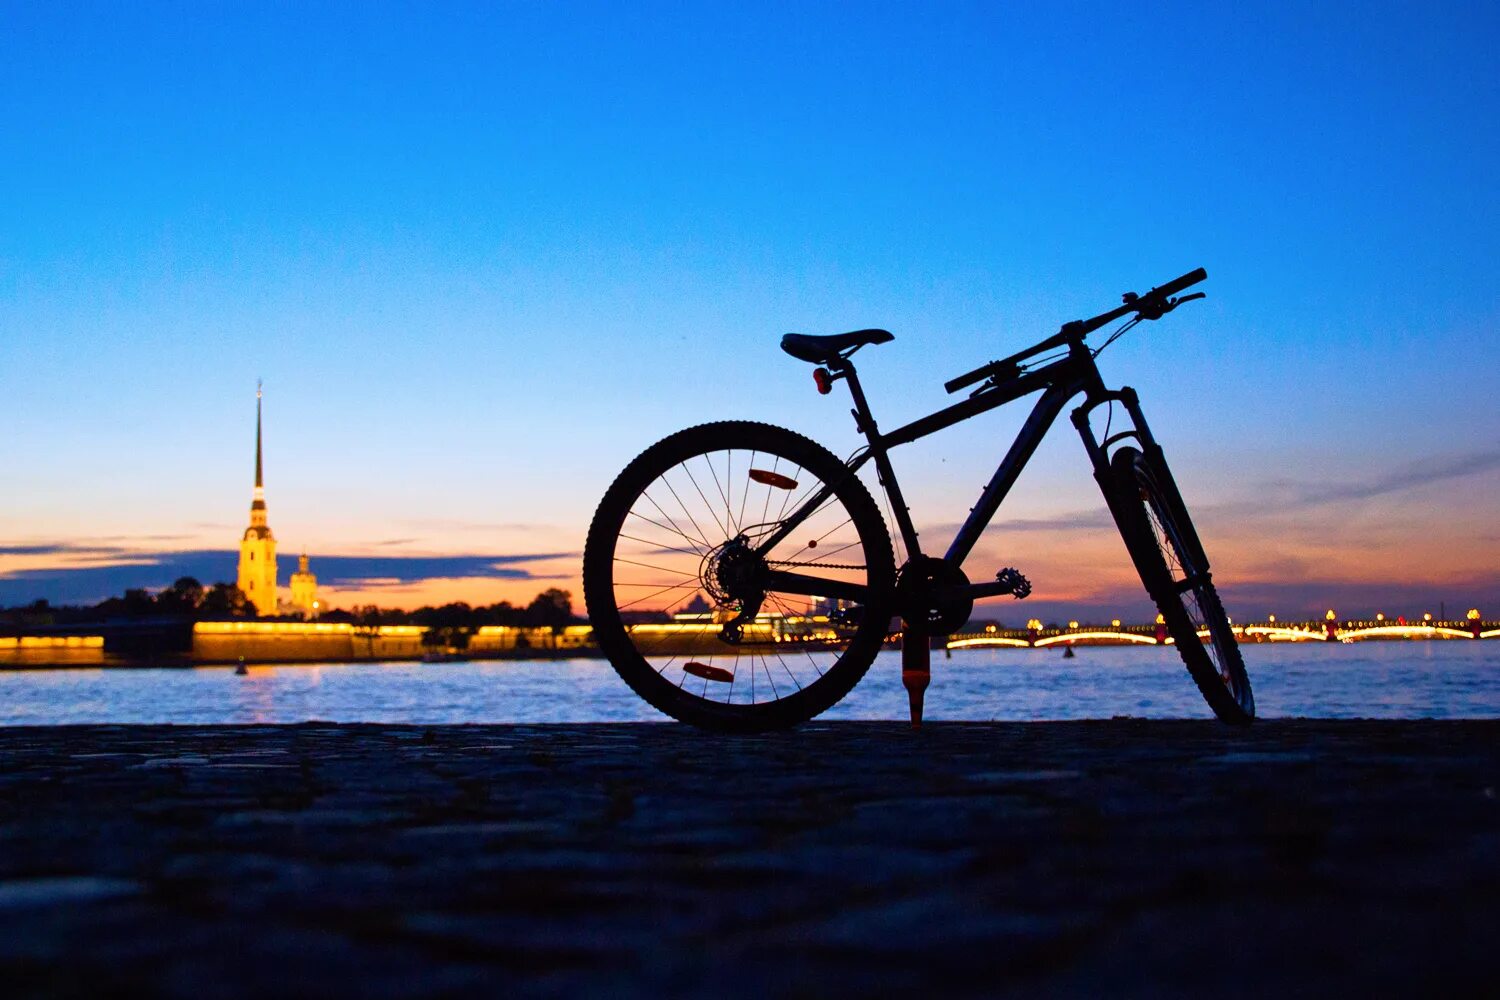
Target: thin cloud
{"type": "Point", "coordinates": [152, 570]}
{"type": "Point", "coordinates": [1275, 497]}
{"type": "Point", "coordinates": [458, 524]}
{"type": "Point", "coordinates": [1420, 473]}
{"type": "Point", "coordinates": [62, 549]}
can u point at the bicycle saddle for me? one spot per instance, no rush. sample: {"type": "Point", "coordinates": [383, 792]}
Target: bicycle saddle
{"type": "Point", "coordinates": [823, 350]}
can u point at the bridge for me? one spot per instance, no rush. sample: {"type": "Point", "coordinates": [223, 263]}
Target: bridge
{"type": "Point", "coordinates": [1330, 629]}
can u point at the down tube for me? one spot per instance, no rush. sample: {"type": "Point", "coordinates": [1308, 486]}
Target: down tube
{"type": "Point", "coordinates": [1042, 415]}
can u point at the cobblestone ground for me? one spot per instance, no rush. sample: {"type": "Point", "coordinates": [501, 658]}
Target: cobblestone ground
{"type": "Point", "coordinates": [1133, 857]}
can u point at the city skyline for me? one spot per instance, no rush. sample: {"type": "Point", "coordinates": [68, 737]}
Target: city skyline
{"type": "Point", "coordinates": [483, 260]}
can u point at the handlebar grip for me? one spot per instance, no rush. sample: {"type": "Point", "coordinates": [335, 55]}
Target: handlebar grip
{"type": "Point", "coordinates": [968, 379]}
{"type": "Point", "coordinates": [1178, 284]}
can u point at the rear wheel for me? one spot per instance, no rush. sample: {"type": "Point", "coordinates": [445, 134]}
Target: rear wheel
{"type": "Point", "coordinates": [739, 577]}
{"type": "Point", "coordinates": [1164, 547]}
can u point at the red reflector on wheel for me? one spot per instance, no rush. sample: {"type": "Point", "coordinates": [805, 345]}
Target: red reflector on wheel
{"type": "Point", "coordinates": [708, 673]}
{"type": "Point", "coordinates": [775, 479]}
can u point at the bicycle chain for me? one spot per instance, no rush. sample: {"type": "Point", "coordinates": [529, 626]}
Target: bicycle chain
{"type": "Point", "coordinates": [783, 562]}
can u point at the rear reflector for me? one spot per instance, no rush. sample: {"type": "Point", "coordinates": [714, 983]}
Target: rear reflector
{"type": "Point", "coordinates": [775, 479]}
{"type": "Point", "coordinates": [707, 672]}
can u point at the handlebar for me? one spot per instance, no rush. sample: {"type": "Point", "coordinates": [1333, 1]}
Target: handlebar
{"type": "Point", "coordinates": [1178, 284]}
{"type": "Point", "coordinates": [1153, 305]}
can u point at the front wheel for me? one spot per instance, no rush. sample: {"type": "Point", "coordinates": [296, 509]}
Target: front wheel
{"type": "Point", "coordinates": [1166, 553]}
{"type": "Point", "coordinates": [739, 577]}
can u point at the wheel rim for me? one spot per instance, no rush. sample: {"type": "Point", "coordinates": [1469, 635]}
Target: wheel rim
{"type": "Point", "coordinates": [689, 562]}
{"type": "Point", "coordinates": [1199, 602]}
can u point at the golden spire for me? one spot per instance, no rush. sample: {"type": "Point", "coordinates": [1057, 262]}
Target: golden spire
{"type": "Point", "coordinates": [259, 480]}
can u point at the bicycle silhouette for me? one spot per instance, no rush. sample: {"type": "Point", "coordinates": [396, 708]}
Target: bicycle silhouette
{"type": "Point", "coordinates": [740, 576]}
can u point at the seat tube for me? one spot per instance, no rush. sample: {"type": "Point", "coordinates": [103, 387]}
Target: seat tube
{"type": "Point", "coordinates": [864, 421]}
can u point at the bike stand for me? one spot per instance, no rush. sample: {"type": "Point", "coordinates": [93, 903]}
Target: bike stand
{"type": "Point", "coordinates": [916, 670]}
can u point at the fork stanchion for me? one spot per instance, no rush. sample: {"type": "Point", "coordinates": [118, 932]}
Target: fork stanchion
{"type": "Point", "coordinates": [916, 670]}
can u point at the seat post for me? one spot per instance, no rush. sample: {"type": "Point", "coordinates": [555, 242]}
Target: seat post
{"type": "Point", "coordinates": [864, 420]}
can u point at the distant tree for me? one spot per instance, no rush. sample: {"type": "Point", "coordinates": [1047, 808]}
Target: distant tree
{"type": "Point", "coordinates": [223, 600]}
{"type": "Point", "coordinates": [552, 608]}
{"type": "Point", "coordinates": [38, 612]}
{"type": "Point", "coordinates": [370, 614]}
{"type": "Point", "coordinates": [137, 603]}
{"type": "Point", "coordinates": [449, 616]}
{"type": "Point", "coordinates": [501, 613]}
{"type": "Point", "coordinates": [183, 597]}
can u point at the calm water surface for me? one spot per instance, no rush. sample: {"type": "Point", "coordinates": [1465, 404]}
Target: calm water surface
{"type": "Point", "coordinates": [1391, 680]}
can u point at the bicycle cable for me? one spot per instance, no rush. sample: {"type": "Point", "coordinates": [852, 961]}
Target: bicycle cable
{"type": "Point", "coordinates": [1116, 335]}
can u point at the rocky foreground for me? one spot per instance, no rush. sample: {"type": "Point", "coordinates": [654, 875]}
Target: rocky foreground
{"type": "Point", "coordinates": [1001, 858]}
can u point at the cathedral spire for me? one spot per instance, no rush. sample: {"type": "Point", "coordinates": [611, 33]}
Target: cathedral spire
{"type": "Point", "coordinates": [257, 577]}
{"type": "Point", "coordinates": [259, 479]}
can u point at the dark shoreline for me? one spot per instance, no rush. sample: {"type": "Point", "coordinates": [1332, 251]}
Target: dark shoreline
{"type": "Point", "coordinates": [1125, 856]}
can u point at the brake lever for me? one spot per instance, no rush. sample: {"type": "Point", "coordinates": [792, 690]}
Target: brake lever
{"type": "Point", "coordinates": [1174, 303]}
{"type": "Point", "coordinates": [1159, 310]}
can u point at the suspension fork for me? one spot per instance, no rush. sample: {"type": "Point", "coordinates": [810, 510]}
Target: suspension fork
{"type": "Point", "coordinates": [1140, 430]}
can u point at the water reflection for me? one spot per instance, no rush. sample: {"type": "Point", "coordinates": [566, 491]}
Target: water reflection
{"type": "Point", "coordinates": [1376, 680]}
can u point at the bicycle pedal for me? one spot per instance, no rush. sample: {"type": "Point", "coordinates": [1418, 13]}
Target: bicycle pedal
{"type": "Point", "coordinates": [1015, 583]}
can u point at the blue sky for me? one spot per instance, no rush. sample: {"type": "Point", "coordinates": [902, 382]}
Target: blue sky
{"type": "Point", "coordinates": [483, 254]}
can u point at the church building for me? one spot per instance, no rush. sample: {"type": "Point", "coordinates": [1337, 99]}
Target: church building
{"type": "Point", "coordinates": [257, 578]}
{"type": "Point", "coordinates": [305, 590]}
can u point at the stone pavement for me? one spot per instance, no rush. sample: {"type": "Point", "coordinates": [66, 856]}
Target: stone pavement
{"type": "Point", "coordinates": [1124, 856]}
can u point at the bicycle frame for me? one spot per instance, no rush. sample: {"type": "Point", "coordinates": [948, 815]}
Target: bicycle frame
{"type": "Point", "coordinates": [1059, 381]}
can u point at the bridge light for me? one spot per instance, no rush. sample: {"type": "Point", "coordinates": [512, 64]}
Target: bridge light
{"type": "Point", "coordinates": [1473, 615]}
{"type": "Point", "coordinates": [1380, 616]}
{"type": "Point", "coordinates": [1160, 620]}
{"type": "Point", "coordinates": [1331, 616]}
{"type": "Point", "coordinates": [1115, 622]}
{"type": "Point", "coordinates": [1035, 624]}
{"type": "Point", "coordinates": [1427, 616]}
{"type": "Point", "coordinates": [1271, 619]}
{"type": "Point", "coordinates": [1072, 624]}
{"type": "Point", "coordinates": [989, 628]}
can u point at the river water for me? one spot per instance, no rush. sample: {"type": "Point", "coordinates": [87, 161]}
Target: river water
{"type": "Point", "coordinates": [1388, 680]}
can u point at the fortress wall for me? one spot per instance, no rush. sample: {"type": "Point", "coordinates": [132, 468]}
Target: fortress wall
{"type": "Point", "coordinates": [303, 641]}
{"type": "Point", "coordinates": [222, 648]}
{"type": "Point", "coordinates": [509, 638]}
{"type": "Point", "coordinates": [287, 642]}
{"type": "Point", "coordinates": [39, 651]}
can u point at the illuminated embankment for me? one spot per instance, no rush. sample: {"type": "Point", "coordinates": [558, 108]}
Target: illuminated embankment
{"type": "Point", "coordinates": [288, 642]}
{"type": "Point", "coordinates": [1116, 634]}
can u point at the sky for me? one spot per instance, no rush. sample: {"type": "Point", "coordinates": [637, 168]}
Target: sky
{"type": "Point", "coordinates": [482, 255]}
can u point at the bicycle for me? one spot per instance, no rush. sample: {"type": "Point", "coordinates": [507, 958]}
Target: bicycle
{"type": "Point", "coordinates": [740, 576]}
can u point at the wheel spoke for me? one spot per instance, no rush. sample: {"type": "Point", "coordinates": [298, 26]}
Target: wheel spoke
{"type": "Point", "coordinates": [680, 515]}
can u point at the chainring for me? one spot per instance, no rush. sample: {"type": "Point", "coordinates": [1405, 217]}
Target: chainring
{"type": "Point", "coordinates": [917, 589]}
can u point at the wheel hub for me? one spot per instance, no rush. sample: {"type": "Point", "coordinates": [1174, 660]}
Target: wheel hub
{"type": "Point", "coordinates": [734, 576]}
{"type": "Point", "coordinates": [733, 572]}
